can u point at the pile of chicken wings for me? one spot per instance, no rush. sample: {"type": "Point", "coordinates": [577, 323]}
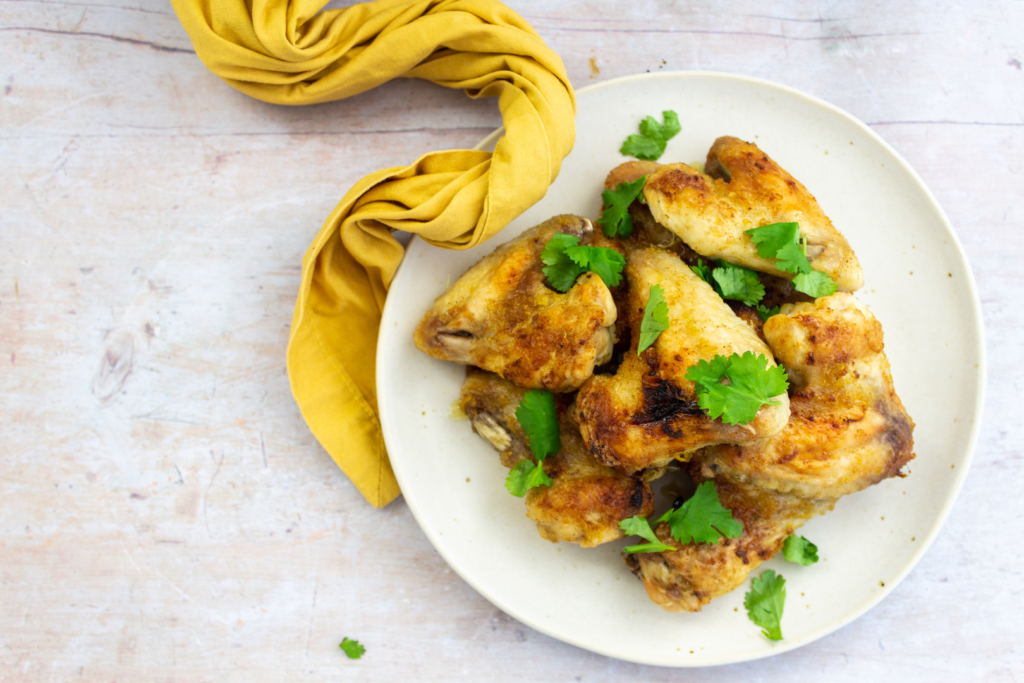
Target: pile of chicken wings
{"type": "Point", "coordinates": [627, 418]}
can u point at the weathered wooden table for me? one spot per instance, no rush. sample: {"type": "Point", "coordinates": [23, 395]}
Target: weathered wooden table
{"type": "Point", "coordinates": [165, 513]}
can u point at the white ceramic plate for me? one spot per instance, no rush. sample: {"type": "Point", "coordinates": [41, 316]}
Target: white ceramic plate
{"type": "Point", "coordinates": [918, 284]}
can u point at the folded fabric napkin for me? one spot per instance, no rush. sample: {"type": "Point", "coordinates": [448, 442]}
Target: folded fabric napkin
{"type": "Point", "coordinates": [291, 52]}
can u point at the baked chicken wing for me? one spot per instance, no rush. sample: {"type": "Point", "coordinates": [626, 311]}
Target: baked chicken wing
{"type": "Point", "coordinates": [848, 428]}
{"type": "Point", "coordinates": [689, 578]}
{"type": "Point", "coordinates": [502, 317]}
{"type": "Point", "coordinates": [647, 413]}
{"type": "Point", "coordinates": [745, 189]}
{"type": "Point", "coordinates": [587, 500]}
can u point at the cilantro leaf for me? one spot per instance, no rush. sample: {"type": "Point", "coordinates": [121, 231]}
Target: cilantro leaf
{"type": "Point", "coordinates": [751, 385]}
{"type": "Point", "coordinates": [536, 415]}
{"type": "Point", "coordinates": [702, 518]}
{"type": "Point", "coordinates": [559, 268]}
{"type": "Point", "coordinates": [607, 263]}
{"type": "Point", "coordinates": [650, 144]}
{"type": "Point", "coordinates": [792, 259]}
{"type": "Point", "coordinates": [524, 476]}
{"type": "Point", "coordinates": [765, 601]}
{"type": "Point", "coordinates": [738, 283]}
{"type": "Point", "coordinates": [764, 312]}
{"type": "Point", "coordinates": [566, 259]}
{"type": "Point", "coordinates": [814, 283]}
{"type": "Point", "coordinates": [642, 147]}
{"type": "Point", "coordinates": [655, 320]}
{"type": "Point", "coordinates": [771, 238]}
{"type": "Point", "coordinates": [639, 526]}
{"type": "Point", "coordinates": [352, 648]}
{"type": "Point", "coordinates": [702, 270]}
{"type": "Point", "coordinates": [615, 220]}
{"type": "Point", "coordinates": [799, 550]}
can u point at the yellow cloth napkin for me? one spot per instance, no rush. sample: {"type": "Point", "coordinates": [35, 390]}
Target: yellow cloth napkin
{"type": "Point", "coordinates": [289, 52]}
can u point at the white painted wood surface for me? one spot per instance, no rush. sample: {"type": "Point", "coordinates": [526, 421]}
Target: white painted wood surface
{"type": "Point", "coordinates": [165, 514]}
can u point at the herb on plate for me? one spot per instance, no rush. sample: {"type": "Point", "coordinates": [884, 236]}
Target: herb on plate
{"type": "Point", "coordinates": [799, 550]}
{"type": "Point", "coordinates": [782, 242]}
{"type": "Point", "coordinates": [539, 419]}
{"type": "Point", "coordinates": [751, 384]}
{"type": "Point", "coordinates": [615, 220]}
{"type": "Point", "coordinates": [765, 601]}
{"type": "Point", "coordinates": [655, 320]}
{"type": "Point", "coordinates": [650, 144]}
{"type": "Point", "coordinates": [566, 259]}
{"type": "Point", "coordinates": [639, 526]}
{"type": "Point", "coordinates": [702, 518]}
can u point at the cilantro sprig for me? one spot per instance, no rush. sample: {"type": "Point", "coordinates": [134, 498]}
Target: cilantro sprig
{"type": "Point", "coordinates": [566, 259]}
{"type": "Point", "coordinates": [731, 281]}
{"type": "Point", "coordinates": [639, 526]}
{"type": "Point", "coordinates": [537, 416]}
{"type": "Point", "coordinates": [650, 144]}
{"type": "Point", "coordinates": [765, 602]}
{"type": "Point", "coordinates": [764, 312]}
{"type": "Point", "coordinates": [782, 242]}
{"type": "Point", "coordinates": [352, 648]}
{"type": "Point", "coordinates": [751, 384]}
{"type": "Point", "coordinates": [702, 518]}
{"type": "Point", "coordinates": [615, 220]}
{"type": "Point", "coordinates": [799, 550]}
{"type": "Point", "coordinates": [655, 320]}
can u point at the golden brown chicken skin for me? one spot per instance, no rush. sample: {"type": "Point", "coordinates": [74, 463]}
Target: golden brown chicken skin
{"type": "Point", "coordinates": [743, 189]}
{"type": "Point", "coordinates": [647, 414]}
{"type": "Point", "coordinates": [586, 500]}
{"type": "Point", "coordinates": [502, 317]}
{"type": "Point", "coordinates": [687, 579]}
{"type": "Point", "coordinates": [848, 428]}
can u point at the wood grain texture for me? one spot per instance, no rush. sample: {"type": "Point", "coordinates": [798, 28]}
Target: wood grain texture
{"type": "Point", "coordinates": [165, 515]}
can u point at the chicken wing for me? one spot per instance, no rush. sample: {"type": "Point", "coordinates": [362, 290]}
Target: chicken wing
{"type": "Point", "coordinates": [689, 578]}
{"type": "Point", "coordinates": [745, 189]}
{"type": "Point", "coordinates": [587, 500]}
{"type": "Point", "coordinates": [501, 316]}
{"type": "Point", "coordinates": [647, 413]}
{"type": "Point", "coordinates": [848, 428]}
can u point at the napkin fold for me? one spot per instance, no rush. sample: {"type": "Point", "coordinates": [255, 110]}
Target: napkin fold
{"type": "Point", "coordinates": [291, 52]}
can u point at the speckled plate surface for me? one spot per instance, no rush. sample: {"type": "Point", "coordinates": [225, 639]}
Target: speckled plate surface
{"type": "Point", "coordinates": [914, 269]}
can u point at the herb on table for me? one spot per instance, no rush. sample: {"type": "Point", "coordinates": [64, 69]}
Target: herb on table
{"type": "Point", "coordinates": [765, 601]}
{"type": "Point", "coordinates": [655, 320]}
{"type": "Point", "coordinates": [650, 144]}
{"type": "Point", "coordinates": [352, 648]}
{"type": "Point", "coordinates": [566, 259]}
{"type": "Point", "coordinates": [537, 416]}
{"type": "Point", "coordinates": [702, 518]}
{"type": "Point", "coordinates": [751, 384]}
{"type": "Point", "coordinates": [615, 220]}
{"type": "Point", "coordinates": [782, 242]}
{"type": "Point", "coordinates": [799, 550]}
{"type": "Point", "coordinates": [639, 526]}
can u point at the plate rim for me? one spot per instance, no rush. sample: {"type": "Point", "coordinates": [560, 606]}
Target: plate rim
{"type": "Point", "coordinates": [978, 339]}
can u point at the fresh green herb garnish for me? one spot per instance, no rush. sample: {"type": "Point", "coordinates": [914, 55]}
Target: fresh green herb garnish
{"type": "Point", "coordinates": [655, 320]}
{"type": "Point", "coordinates": [615, 220]}
{"type": "Point", "coordinates": [751, 385]}
{"type": "Point", "coordinates": [782, 242]}
{"type": "Point", "coordinates": [765, 601]}
{"type": "Point", "coordinates": [536, 415]}
{"type": "Point", "coordinates": [639, 526]}
{"type": "Point", "coordinates": [565, 260]}
{"type": "Point", "coordinates": [352, 648]}
{"type": "Point", "coordinates": [765, 312]}
{"type": "Point", "coordinates": [703, 271]}
{"type": "Point", "coordinates": [799, 550]}
{"type": "Point", "coordinates": [814, 283]}
{"type": "Point", "coordinates": [738, 283]}
{"type": "Point", "coordinates": [524, 476]}
{"type": "Point", "coordinates": [650, 144]}
{"type": "Point", "coordinates": [702, 518]}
